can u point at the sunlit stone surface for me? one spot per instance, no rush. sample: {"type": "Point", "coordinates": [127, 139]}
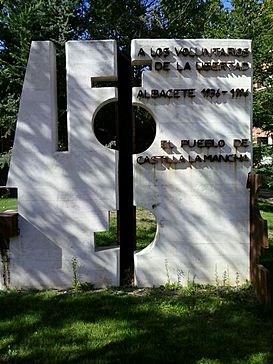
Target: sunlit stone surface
{"type": "Point", "coordinates": [199, 92]}
{"type": "Point", "coordinates": [63, 197]}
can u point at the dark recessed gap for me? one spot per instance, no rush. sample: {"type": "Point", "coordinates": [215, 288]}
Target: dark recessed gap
{"type": "Point", "coordinates": [8, 192]}
{"type": "Point", "coordinates": [97, 83]}
{"type": "Point", "coordinates": [62, 143]}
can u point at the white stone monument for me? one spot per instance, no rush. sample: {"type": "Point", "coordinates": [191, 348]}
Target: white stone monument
{"type": "Point", "coordinates": [194, 175]}
{"type": "Point", "coordinates": [63, 197]}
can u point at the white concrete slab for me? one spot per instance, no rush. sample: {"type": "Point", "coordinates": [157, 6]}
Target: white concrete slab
{"type": "Point", "coordinates": [202, 207]}
{"type": "Point", "coordinates": [63, 197]}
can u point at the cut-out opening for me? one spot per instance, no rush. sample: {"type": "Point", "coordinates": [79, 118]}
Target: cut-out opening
{"type": "Point", "coordinates": [99, 82]}
{"type": "Point", "coordinates": [146, 226]}
{"type": "Point", "coordinates": [62, 142]}
{"type": "Point", "coordinates": [105, 127]}
{"type": "Point", "coordinates": [104, 239]}
{"type": "Point", "coordinates": [145, 230]}
{"type": "Point", "coordinates": [8, 199]}
{"type": "Point", "coordinates": [138, 69]}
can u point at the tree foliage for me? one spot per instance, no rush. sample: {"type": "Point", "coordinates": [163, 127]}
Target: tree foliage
{"type": "Point", "coordinates": [20, 23]}
{"type": "Point", "coordinates": [62, 20]}
{"type": "Point", "coordinates": [193, 18]}
{"type": "Point", "coordinates": [119, 19]}
{"type": "Point", "coordinates": [263, 67]}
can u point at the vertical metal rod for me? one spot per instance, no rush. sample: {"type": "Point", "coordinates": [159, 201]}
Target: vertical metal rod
{"type": "Point", "coordinates": [126, 208]}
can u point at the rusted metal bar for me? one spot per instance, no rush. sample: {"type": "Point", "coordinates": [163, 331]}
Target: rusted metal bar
{"type": "Point", "coordinates": [8, 229]}
{"type": "Point", "coordinates": [125, 172]}
{"type": "Point", "coordinates": [259, 275]}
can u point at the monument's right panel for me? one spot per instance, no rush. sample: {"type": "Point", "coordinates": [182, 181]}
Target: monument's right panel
{"type": "Point", "coordinates": [194, 175]}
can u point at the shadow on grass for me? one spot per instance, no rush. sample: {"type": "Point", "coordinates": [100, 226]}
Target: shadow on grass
{"type": "Point", "coordinates": [137, 326]}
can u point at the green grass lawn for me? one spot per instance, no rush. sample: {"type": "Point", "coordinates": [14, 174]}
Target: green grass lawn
{"type": "Point", "coordinates": [191, 325]}
{"type": "Point", "coordinates": [8, 204]}
{"type": "Point", "coordinates": [200, 325]}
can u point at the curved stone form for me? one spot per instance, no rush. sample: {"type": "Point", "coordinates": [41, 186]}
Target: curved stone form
{"type": "Point", "coordinates": [63, 197]}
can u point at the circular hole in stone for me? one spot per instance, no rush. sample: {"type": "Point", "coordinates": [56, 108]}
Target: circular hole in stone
{"type": "Point", "coordinates": [145, 230]}
{"type": "Point", "coordinates": [105, 127]}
